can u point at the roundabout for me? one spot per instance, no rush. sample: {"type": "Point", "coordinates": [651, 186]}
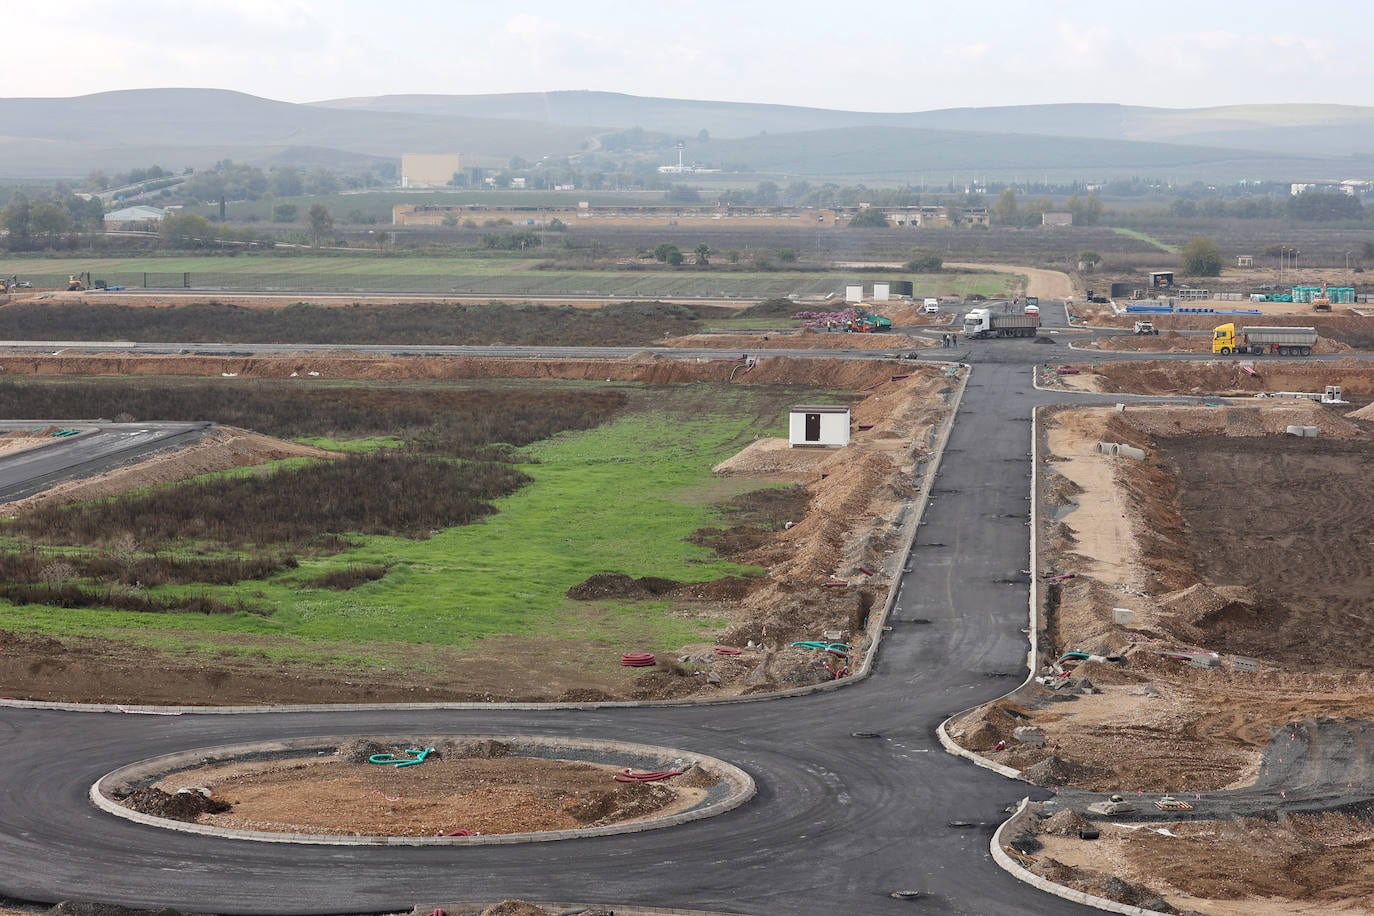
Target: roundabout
{"type": "Point", "coordinates": [416, 791]}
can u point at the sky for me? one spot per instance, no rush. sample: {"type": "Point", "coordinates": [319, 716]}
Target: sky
{"type": "Point", "coordinates": [899, 55]}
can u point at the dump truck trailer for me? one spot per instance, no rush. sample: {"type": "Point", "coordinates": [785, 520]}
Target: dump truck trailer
{"type": "Point", "coordinates": [1260, 341]}
{"type": "Point", "coordinates": [981, 323]}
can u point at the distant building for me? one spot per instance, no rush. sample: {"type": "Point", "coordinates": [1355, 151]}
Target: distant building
{"type": "Point", "coordinates": [1245, 260]}
{"type": "Point", "coordinates": [140, 217]}
{"type": "Point", "coordinates": [429, 170]}
{"type": "Point", "coordinates": [1056, 218]}
{"type": "Point", "coordinates": [1351, 188]}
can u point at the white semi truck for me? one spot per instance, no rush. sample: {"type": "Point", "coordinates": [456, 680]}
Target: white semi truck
{"type": "Point", "coordinates": [981, 323]}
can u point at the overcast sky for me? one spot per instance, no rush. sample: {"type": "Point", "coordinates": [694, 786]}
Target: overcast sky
{"type": "Point", "coordinates": [900, 55]}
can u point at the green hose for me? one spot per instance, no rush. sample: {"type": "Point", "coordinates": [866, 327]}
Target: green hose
{"type": "Point", "coordinates": [398, 762]}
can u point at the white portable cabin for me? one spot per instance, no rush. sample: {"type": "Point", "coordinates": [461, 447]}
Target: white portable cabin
{"type": "Point", "coordinates": [853, 294]}
{"type": "Point", "coordinates": [818, 426]}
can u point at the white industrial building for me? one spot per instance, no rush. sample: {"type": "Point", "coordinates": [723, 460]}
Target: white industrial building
{"type": "Point", "coordinates": [818, 426]}
{"type": "Point", "coordinates": [139, 217]}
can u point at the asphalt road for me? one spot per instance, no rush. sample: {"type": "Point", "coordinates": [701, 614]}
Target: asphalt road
{"type": "Point", "coordinates": [838, 824]}
{"type": "Point", "coordinates": [98, 447]}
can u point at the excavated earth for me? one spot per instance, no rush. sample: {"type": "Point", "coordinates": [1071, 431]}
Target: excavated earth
{"type": "Point", "coordinates": [1251, 551]}
{"type": "Point", "coordinates": [482, 788]}
{"type": "Point", "coordinates": [825, 571]}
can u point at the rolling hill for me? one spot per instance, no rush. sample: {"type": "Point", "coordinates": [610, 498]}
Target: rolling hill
{"type": "Point", "coordinates": [177, 128]}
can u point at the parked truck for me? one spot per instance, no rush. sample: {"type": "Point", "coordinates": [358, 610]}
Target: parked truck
{"type": "Point", "coordinates": [982, 323]}
{"type": "Point", "coordinates": [1259, 341]}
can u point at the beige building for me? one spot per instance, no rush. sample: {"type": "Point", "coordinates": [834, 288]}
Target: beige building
{"type": "Point", "coordinates": [429, 170]}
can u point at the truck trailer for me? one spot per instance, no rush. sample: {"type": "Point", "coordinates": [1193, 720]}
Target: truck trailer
{"type": "Point", "coordinates": [982, 323]}
{"type": "Point", "coordinates": [1260, 341]}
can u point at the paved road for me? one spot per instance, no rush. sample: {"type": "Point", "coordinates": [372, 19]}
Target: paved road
{"type": "Point", "coordinates": [98, 447]}
{"type": "Point", "coordinates": [839, 821]}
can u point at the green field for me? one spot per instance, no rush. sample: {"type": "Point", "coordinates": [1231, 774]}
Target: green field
{"type": "Point", "coordinates": [488, 275]}
{"type": "Point", "coordinates": [619, 498]}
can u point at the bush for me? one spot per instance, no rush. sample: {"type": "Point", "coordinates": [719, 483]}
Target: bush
{"type": "Point", "coordinates": [868, 218]}
{"type": "Point", "coordinates": [1202, 257]}
{"type": "Point", "coordinates": [925, 262]}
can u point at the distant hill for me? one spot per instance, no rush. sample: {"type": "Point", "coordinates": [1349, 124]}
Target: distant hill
{"type": "Point", "coordinates": [1304, 130]}
{"type": "Point", "coordinates": [176, 128]}
{"type": "Point", "coordinates": [197, 127]}
{"type": "Point", "coordinates": [930, 156]}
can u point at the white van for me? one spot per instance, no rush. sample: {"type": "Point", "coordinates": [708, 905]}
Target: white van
{"type": "Point", "coordinates": [931, 307]}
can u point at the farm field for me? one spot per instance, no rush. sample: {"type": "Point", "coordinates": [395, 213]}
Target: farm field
{"type": "Point", "coordinates": [599, 529]}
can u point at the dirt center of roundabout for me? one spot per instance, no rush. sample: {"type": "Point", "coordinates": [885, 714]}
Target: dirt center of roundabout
{"type": "Point", "coordinates": [435, 789]}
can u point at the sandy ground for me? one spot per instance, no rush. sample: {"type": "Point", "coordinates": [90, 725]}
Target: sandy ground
{"type": "Point", "coordinates": [1046, 284]}
{"type": "Point", "coordinates": [1225, 377]}
{"type": "Point", "coordinates": [846, 520]}
{"type": "Point", "coordinates": [491, 793]}
{"type": "Point", "coordinates": [1234, 538]}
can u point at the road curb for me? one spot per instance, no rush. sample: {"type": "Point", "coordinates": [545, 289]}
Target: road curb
{"type": "Point", "coordinates": [741, 787]}
{"type": "Point", "coordinates": [1021, 873]}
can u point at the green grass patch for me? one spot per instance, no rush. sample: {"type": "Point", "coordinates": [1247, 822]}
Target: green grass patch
{"type": "Point", "coordinates": [1146, 238]}
{"type": "Point", "coordinates": [622, 497]}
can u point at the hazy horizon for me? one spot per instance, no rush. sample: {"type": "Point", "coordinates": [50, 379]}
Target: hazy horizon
{"type": "Point", "coordinates": [867, 56]}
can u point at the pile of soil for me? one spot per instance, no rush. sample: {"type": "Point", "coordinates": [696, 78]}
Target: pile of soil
{"type": "Point", "coordinates": [1224, 377]}
{"type": "Point", "coordinates": [619, 585]}
{"type": "Point", "coordinates": [179, 806]}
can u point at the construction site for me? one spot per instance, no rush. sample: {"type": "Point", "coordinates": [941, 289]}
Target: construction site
{"type": "Point", "coordinates": [1200, 693]}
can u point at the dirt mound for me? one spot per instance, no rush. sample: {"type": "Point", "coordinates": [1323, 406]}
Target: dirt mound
{"type": "Point", "coordinates": [483, 749]}
{"type": "Point", "coordinates": [697, 777]}
{"type": "Point", "coordinates": [514, 908]}
{"type": "Point", "coordinates": [178, 806]}
{"type": "Point", "coordinates": [1064, 823]}
{"type": "Point", "coordinates": [358, 751]}
{"type": "Point", "coordinates": [1364, 413]}
{"type": "Point", "coordinates": [625, 801]}
{"type": "Point", "coordinates": [983, 728]}
{"type": "Point", "coordinates": [619, 585]}
{"type": "Point", "coordinates": [775, 458]}
{"type": "Point", "coordinates": [585, 695]}
{"type": "Point", "coordinates": [1056, 771]}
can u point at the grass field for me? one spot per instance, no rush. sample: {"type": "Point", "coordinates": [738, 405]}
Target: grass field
{"type": "Point", "coordinates": [622, 497]}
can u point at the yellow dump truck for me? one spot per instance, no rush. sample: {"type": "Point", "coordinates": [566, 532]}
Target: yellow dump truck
{"type": "Point", "coordinates": [1260, 341]}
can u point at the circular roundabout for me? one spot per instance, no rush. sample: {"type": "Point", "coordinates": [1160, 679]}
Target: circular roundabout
{"type": "Point", "coordinates": [422, 790]}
